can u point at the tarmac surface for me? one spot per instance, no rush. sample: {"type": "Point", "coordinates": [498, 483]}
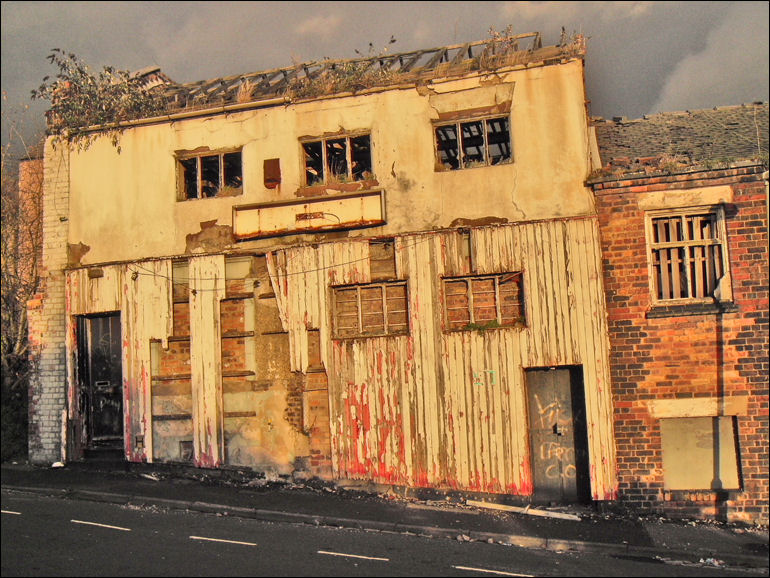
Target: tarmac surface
{"type": "Point", "coordinates": [311, 502]}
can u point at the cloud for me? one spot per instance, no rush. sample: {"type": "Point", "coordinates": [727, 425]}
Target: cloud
{"type": "Point", "coordinates": [319, 25]}
{"type": "Point", "coordinates": [604, 11]}
{"type": "Point", "coordinates": [731, 69]}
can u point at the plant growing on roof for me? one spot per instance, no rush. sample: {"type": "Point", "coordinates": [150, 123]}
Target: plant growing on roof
{"type": "Point", "coordinates": [81, 101]}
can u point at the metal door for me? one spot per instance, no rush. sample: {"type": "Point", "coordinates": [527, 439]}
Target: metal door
{"type": "Point", "coordinates": [101, 380]}
{"type": "Point", "coordinates": [557, 433]}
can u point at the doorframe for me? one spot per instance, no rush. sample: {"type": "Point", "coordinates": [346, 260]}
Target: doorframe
{"type": "Point", "coordinates": [579, 429]}
{"type": "Point", "coordinates": [79, 427]}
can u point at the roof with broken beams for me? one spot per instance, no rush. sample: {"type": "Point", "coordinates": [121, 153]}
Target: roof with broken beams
{"type": "Point", "coordinates": [315, 79]}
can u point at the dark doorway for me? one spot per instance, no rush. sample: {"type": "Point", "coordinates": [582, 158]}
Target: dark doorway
{"type": "Point", "coordinates": [558, 436]}
{"type": "Point", "coordinates": [100, 379]}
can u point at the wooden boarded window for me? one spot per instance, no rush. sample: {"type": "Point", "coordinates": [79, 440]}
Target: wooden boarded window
{"type": "Point", "coordinates": [370, 310]}
{"type": "Point", "coordinates": [687, 255]}
{"type": "Point", "coordinates": [483, 301]}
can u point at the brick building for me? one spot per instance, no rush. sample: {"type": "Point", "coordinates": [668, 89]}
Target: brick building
{"type": "Point", "coordinates": [683, 212]}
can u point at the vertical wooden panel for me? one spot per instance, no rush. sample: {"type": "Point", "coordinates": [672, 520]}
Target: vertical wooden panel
{"type": "Point", "coordinates": [456, 401]}
{"type": "Point", "coordinates": [207, 288]}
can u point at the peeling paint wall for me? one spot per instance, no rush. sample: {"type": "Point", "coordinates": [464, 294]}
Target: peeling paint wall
{"type": "Point", "coordinates": [124, 207]}
{"type": "Point", "coordinates": [448, 409]}
{"type": "Point", "coordinates": [206, 365]}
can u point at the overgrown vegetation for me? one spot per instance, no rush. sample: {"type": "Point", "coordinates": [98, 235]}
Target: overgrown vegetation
{"type": "Point", "coordinates": [20, 243]}
{"type": "Point", "coordinates": [345, 76]}
{"type": "Point", "coordinates": [80, 99]}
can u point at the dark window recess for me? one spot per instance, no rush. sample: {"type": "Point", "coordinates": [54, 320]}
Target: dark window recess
{"type": "Point", "coordinates": [480, 143]}
{"type": "Point", "coordinates": [215, 175]}
{"type": "Point", "coordinates": [338, 160]}
{"type": "Point", "coordinates": [483, 301]}
{"type": "Point", "coordinates": [370, 310]}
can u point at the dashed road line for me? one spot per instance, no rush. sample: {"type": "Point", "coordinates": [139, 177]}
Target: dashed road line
{"type": "Point", "coordinates": [101, 525]}
{"type": "Point", "coordinates": [353, 556]}
{"type": "Point", "coordinates": [221, 540]}
{"type": "Point", "coordinates": [10, 512]}
{"type": "Point", "coordinates": [499, 572]}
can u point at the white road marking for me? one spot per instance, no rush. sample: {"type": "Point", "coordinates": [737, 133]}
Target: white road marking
{"type": "Point", "coordinates": [9, 512]}
{"type": "Point", "coordinates": [353, 556]}
{"type": "Point", "coordinates": [225, 541]}
{"type": "Point", "coordinates": [101, 525]}
{"type": "Point", "coordinates": [501, 573]}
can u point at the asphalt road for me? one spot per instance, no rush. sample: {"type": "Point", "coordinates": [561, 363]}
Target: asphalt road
{"type": "Point", "coordinates": [44, 536]}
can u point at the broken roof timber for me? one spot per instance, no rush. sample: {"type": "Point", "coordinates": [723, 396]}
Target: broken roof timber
{"type": "Point", "coordinates": [314, 79]}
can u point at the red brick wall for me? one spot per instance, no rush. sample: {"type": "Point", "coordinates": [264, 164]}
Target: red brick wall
{"type": "Point", "coordinates": [683, 357]}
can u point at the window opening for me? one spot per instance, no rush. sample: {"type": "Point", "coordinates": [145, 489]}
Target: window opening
{"type": "Point", "coordinates": [687, 255]}
{"type": "Point", "coordinates": [483, 301]}
{"type": "Point", "coordinates": [374, 309]}
{"type": "Point", "coordinates": [206, 176]}
{"type": "Point", "coordinates": [481, 142]}
{"type": "Point", "coordinates": [338, 160]}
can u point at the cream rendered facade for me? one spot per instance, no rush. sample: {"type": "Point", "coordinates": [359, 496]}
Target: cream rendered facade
{"type": "Point", "coordinates": [429, 407]}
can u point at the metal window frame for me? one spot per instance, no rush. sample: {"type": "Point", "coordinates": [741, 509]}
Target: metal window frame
{"type": "Point", "coordinates": [723, 284]}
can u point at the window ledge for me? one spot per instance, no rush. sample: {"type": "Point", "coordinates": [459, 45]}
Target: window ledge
{"type": "Point", "coordinates": [690, 309]}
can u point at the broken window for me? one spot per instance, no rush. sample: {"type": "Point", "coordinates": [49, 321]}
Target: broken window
{"type": "Point", "coordinates": [338, 160]}
{"type": "Point", "coordinates": [687, 255]}
{"type": "Point", "coordinates": [370, 310]}
{"type": "Point", "coordinates": [475, 143]}
{"type": "Point", "coordinates": [210, 175]}
{"type": "Point", "coordinates": [483, 301]}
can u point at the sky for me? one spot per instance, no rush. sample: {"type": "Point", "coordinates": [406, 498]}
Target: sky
{"type": "Point", "coordinates": [642, 58]}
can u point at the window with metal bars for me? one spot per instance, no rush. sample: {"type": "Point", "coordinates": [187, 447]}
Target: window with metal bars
{"type": "Point", "coordinates": [474, 143]}
{"type": "Point", "coordinates": [338, 160]}
{"type": "Point", "coordinates": [688, 256]}
{"type": "Point", "coordinates": [483, 301]}
{"type": "Point", "coordinates": [369, 310]}
{"type": "Point", "coordinates": [210, 175]}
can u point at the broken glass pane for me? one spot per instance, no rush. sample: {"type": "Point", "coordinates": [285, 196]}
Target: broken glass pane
{"type": "Point", "coordinates": [474, 153]}
{"type": "Point", "coordinates": [209, 176]}
{"type": "Point", "coordinates": [361, 157]}
{"type": "Point", "coordinates": [233, 170]}
{"type": "Point", "coordinates": [498, 140]}
{"type": "Point", "coordinates": [314, 165]}
{"type": "Point", "coordinates": [446, 145]}
{"type": "Point", "coordinates": [337, 159]}
{"type": "Point", "coordinates": [190, 177]}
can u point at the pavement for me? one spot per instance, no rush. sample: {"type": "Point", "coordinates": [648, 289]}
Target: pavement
{"type": "Point", "coordinates": [249, 495]}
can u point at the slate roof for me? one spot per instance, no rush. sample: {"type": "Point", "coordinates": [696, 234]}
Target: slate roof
{"type": "Point", "coordinates": [313, 79]}
{"type": "Point", "coordinates": [723, 134]}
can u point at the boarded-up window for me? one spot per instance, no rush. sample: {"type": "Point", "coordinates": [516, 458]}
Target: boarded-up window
{"type": "Point", "coordinates": [210, 175]}
{"type": "Point", "coordinates": [370, 310]}
{"type": "Point", "coordinates": [338, 160]}
{"type": "Point", "coordinates": [483, 301]}
{"type": "Point", "coordinates": [687, 255]}
{"type": "Point", "coordinates": [699, 453]}
{"type": "Point", "coordinates": [483, 142]}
